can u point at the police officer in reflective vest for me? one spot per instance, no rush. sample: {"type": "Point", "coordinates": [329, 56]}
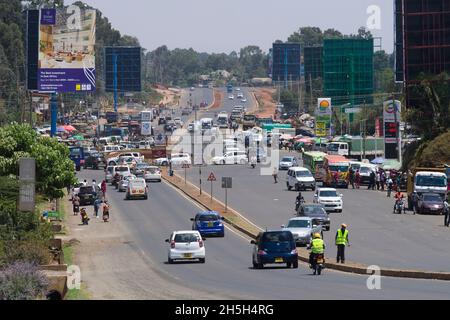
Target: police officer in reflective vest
{"type": "Point", "coordinates": [317, 247]}
{"type": "Point", "coordinates": [341, 242]}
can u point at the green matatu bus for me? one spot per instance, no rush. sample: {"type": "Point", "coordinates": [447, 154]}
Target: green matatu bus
{"type": "Point", "coordinates": [313, 160]}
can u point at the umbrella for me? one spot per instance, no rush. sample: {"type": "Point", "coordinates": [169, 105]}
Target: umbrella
{"type": "Point", "coordinates": [60, 129]}
{"type": "Point", "coordinates": [78, 137]}
{"type": "Point", "coordinates": [285, 137]}
{"type": "Point", "coordinates": [305, 140]}
{"type": "Point", "coordinates": [69, 128]}
{"type": "Point", "coordinates": [391, 165]}
{"type": "Point", "coordinates": [379, 160]}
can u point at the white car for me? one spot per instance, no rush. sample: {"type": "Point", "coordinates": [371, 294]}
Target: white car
{"type": "Point", "coordinates": [243, 100]}
{"type": "Point", "coordinates": [114, 161]}
{"type": "Point", "coordinates": [300, 178]}
{"type": "Point", "coordinates": [240, 95]}
{"type": "Point", "coordinates": [178, 122]}
{"type": "Point", "coordinates": [186, 245]}
{"type": "Point", "coordinates": [231, 157]}
{"type": "Point", "coordinates": [123, 183]}
{"type": "Point", "coordinates": [329, 198]}
{"type": "Point", "coordinates": [76, 187]}
{"type": "Point", "coordinates": [231, 97]}
{"type": "Point", "coordinates": [177, 159]}
{"type": "Point", "coordinates": [152, 173]}
{"type": "Point", "coordinates": [287, 162]}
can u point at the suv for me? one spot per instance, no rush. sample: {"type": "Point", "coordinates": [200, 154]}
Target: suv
{"type": "Point", "coordinates": [208, 223]}
{"type": "Point", "coordinates": [300, 178]}
{"type": "Point", "coordinates": [274, 247]}
{"type": "Point", "coordinates": [317, 213]}
{"type": "Point", "coordinates": [87, 195]}
{"type": "Point", "coordinates": [94, 160]}
{"type": "Point", "coordinates": [331, 200]}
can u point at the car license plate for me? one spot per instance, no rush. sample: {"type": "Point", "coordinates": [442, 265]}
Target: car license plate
{"type": "Point", "coordinates": [187, 255]}
{"type": "Point", "coordinates": [141, 191]}
{"type": "Point", "coordinates": [210, 224]}
{"type": "Point", "coordinates": [277, 260]}
{"type": "Point", "coordinates": [134, 191]}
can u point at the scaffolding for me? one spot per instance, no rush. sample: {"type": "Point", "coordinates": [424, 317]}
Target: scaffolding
{"type": "Point", "coordinates": [286, 64]}
{"type": "Point", "coordinates": [313, 62]}
{"type": "Point", "coordinates": [348, 70]}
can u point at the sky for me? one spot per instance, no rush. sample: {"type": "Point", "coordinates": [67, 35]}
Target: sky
{"type": "Point", "coordinates": [225, 26]}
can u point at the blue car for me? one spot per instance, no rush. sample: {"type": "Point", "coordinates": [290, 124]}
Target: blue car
{"type": "Point", "coordinates": [274, 247]}
{"type": "Point", "coordinates": [208, 223]}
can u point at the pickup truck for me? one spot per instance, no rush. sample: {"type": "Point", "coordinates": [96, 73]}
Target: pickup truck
{"type": "Point", "coordinates": [113, 161]}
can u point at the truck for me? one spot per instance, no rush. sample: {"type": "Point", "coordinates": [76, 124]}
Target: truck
{"type": "Point", "coordinates": [356, 147]}
{"type": "Point", "coordinates": [249, 121]}
{"type": "Point", "coordinates": [335, 165]}
{"type": "Point", "coordinates": [112, 116]}
{"type": "Point", "coordinates": [77, 156]}
{"type": "Point", "coordinates": [425, 180]}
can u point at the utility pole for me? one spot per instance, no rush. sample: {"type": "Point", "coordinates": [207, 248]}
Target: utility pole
{"type": "Point", "coordinates": [300, 98]}
{"type": "Point", "coordinates": [310, 92]}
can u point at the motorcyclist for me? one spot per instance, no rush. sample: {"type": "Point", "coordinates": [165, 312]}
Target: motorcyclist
{"type": "Point", "coordinates": [317, 246]}
{"type": "Point", "coordinates": [398, 198]}
{"type": "Point", "coordinates": [299, 200]}
{"type": "Point", "coordinates": [116, 179]}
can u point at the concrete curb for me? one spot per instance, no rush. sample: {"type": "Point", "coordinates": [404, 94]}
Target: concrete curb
{"type": "Point", "coordinates": [351, 267]}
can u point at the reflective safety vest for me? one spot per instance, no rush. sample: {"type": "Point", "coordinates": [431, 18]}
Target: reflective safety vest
{"type": "Point", "coordinates": [317, 246]}
{"type": "Point", "coordinates": [341, 238]}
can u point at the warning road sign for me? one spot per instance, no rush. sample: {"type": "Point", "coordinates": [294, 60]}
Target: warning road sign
{"type": "Point", "coordinates": [212, 177]}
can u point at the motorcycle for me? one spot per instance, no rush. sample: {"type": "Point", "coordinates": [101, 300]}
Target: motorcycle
{"type": "Point", "coordinates": [318, 263]}
{"type": "Point", "coordinates": [298, 203]}
{"type": "Point", "coordinates": [399, 207]}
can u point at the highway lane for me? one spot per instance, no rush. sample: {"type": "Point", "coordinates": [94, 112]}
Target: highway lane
{"type": "Point", "coordinates": [228, 262]}
{"type": "Point", "coordinates": [377, 236]}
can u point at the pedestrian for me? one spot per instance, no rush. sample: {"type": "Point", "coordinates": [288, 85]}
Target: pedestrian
{"type": "Point", "coordinates": [371, 181]}
{"type": "Point", "coordinates": [398, 180]}
{"type": "Point", "coordinates": [357, 179]}
{"type": "Point", "coordinates": [76, 204]}
{"type": "Point", "coordinates": [275, 174]}
{"type": "Point", "coordinates": [97, 203]}
{"type": "Point", "coordinates": [446, 212]}
{"type": "Point", "coordinates": [382, 179]}
{"type": "Point", "coordinates": [341, 241]}
{"type": "Point", "coordinates": [351, 177]}
{"type": "Point", "coordinates": [103, 187]}
{"type": "Point", "coordinates": [377, 180]}
{"type": "Point", "coordinates": [94, 185]}
{"type": "Point", "coordinates": [389, 185]}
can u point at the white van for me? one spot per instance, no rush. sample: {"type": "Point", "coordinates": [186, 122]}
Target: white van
{"type": "Point", "coordinates": [300, 178]}
{"type": "Point", "coordinates": [222, 120]}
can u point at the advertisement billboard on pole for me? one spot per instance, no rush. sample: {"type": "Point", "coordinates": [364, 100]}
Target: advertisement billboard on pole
{"type": "Point", "coordinates": [66, 50]}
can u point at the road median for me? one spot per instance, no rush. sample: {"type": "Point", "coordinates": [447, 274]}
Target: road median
{"type": "Point", "coordinates": [242, 224]}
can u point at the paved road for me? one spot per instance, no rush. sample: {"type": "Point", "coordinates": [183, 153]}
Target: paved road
{"type": "Point", "coordinates": [228, 263]}
{"type": "Point", "coordinates": [377, 236]}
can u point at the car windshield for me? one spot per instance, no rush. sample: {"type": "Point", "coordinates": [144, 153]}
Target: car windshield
{"type": "Point", "coordinates": [333, 147]}
{"type": "Point", "coordinates": [432, 198]}
{"type": "Point", "coordinates": [365, 170]}
{"type": "Point", "coordinates": [313, 211]}
{"type": "Point", "coordinates": [299, 224]}
{"type": "Point", "coordinates": [328, 194]}
{"type": "Point", "coordinates": [277, 237]}
{"type": "Point", "coordinates": [287, 159]}
{"type": "Point", "coordinates": [303, 174]}
{"type": "Point", "coordinates": [121, 169]}
{"type": "Point", "coordinates": [138, 184]}
{"type": "Point", "coordinates": [87, 189]}
{"type": "Point", "coordinates": [186, 237]}
{"type": "Point", "coordinates": [208, 217]}
{"type": "Point", "coordinates": [336, 168]}
{"type": "Point", "coordinates": [431, 181]}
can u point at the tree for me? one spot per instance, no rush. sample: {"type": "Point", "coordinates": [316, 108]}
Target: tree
{"type": "Point", "coordinates": [54, 169]}
{"type": "Point", "coordinates": [252, 60]}
{"type": "Point", "coordinates": [307, 36]}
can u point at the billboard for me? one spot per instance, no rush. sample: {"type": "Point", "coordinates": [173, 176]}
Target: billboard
{"type": "Point", "coordinates": [391, 120]}
{"type": "Point", "coordinates": [146, 128]}
{"type": "Point", "coordinates": [323, 106]}
{"type": "Point", "coordinates": [123, 64]}
{"type": "Point", "coordinates": [66, 61]}
{"type": "Point", "coordinates": [286, 62]}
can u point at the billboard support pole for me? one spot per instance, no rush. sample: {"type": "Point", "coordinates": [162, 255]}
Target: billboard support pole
{"type": "Point", "coordinates": [54, 113]}
{"type": "Point", "coordinates": [115, 82]}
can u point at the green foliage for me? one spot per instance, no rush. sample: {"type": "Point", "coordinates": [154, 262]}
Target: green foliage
{"type": "Point", "coordinates": [33, 252]}
{"type": "Point", "coordinates": [435, 153]}
{"type": "Point", "coordinates": [54, 169]}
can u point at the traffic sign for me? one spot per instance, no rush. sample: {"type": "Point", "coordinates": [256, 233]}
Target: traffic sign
{"type": "Point", "coordinates": [212, 177]}
{"type": "Point", "coordinates": [226, 182]}
{"type": "Point", "coordinates": [352, 110]}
